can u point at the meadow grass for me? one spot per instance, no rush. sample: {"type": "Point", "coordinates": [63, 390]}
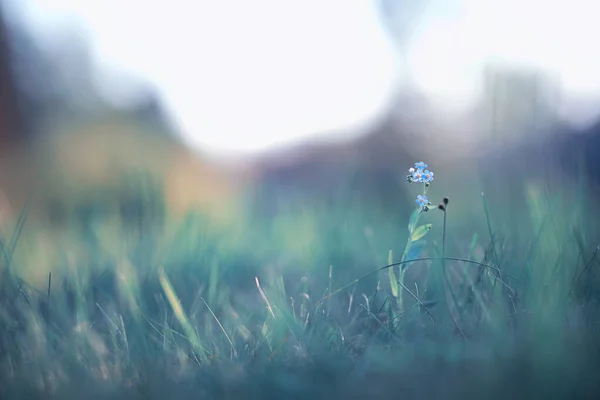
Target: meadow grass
{"type": "Point", "coordinates": [317, 302]}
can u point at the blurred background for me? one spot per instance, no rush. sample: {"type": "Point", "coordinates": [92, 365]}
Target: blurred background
{"type": "Point", "coordinates": [256, 152]}
{"type": "Point", "coordinates": [253, 111]}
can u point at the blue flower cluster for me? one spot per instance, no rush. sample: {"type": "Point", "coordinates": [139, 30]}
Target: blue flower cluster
{"type": "Point", "coordinates": [420, 173]}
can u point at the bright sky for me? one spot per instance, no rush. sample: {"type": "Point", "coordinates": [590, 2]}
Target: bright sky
{"type": "Point", "coordinates": [452, 44]}
{"type": "Point", "coordinates": [248, 76]}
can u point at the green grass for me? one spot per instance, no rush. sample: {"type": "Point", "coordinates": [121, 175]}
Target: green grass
{"type": "Point", "coordinates": [316, 303]}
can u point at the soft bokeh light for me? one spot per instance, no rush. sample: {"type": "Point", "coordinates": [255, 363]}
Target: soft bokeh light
{"type": "Point", "coordinates": [246, 75]}
{"type": "Point", "coordinates": [249, 76]}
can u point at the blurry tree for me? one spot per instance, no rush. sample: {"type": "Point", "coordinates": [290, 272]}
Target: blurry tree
{"type": "Point", "coordinates": [518, 103]}
{"type": "Point", "coordinates": [56, 78]}
{"type": "Point", "coordinates": [518, 119]}
{"type": "Point", "coordinates": [10, 118]}
{"type": "Point", "coordinates": [400, 17]}
{"type": "Point", "coordinates": [31, 74]}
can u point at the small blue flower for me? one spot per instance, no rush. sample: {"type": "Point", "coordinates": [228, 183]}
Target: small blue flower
{"type": "Point", "coordinates": [422, 200]}
{"type": "Point", "coordinates": [420, 165]}
{"type": "Point", "coordinates": [417, 176]}
{"type": "Point", "coordinates": [427, 176]}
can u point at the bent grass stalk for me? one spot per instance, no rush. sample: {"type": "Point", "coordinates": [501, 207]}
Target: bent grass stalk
{"type": "Point", "coordinates": [402, 263]}
{"type": "Point", "coordinates": [181, 316]}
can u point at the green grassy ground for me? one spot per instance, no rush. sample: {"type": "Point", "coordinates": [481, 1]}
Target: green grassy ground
{"type": "Point", "coordinates": [305, 304]}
